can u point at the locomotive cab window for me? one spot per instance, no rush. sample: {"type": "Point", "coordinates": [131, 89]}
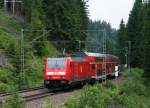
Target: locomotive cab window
{"type": "Point", "coordinates": [56, 63]}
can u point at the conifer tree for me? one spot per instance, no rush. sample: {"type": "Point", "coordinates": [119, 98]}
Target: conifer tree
{"type": "Point", "coordinates": [27, 10]}
{"type": "Point", "coordinates": [96, 33]}
{"type": "Point", "coordinates": [37, 25]}
{"type": "Point", "coordinates": [134, 27]}
{"type": "Point", "coordinates": [121, 41]}
{"type": "Point", "coordinates": [1, 3]}
{"type": "Point", "coordinates": [146, 42]}
{"type": "Point", "coordinates": [66, 19]}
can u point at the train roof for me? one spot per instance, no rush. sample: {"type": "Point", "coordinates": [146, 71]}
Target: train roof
{"type": "Point", "coordinates": [99, 55]}
{"type": "Point", "coordinates": [85, 53]}
{"type": "Point", "coordinates": [72, 58]}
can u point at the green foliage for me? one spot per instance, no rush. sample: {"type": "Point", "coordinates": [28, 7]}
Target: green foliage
{"type": "Point", "coordinates": [1, 3]}
{"type": "Point", "coordinates": [132, 93]}
{"type": "Point", "coordinates": [5, 76]}
{"type": "Point", "coordinates": [72, 103]}
{"type": "Point", "coordinates": [10, 52]}
{"type": "Point", "coordinates": [138, 32]}
{"type": "Point", "coordinates": [34, 71]}
{"type": "Point", "coordinates": [122, 41]}
{"type": "Point", "coordinates": [5, 83]}
{"type": "Point", "coordinates": [134, 27]}
{"type": "Point", "coordinates": [9, 24]}
{"type": "Point", "coordinates": [94, 97]}
{"type": "Point", "coordinates": [134, 82]}
{"type": "Point", "coordinates": [50, 50]}
{"type": "Point", "coordinates": [146, 44]}
{"type": "Point", "coordinates": [133, 88]}
{"type": "Point", "coordinates": [36, 27]}
{"type": "Point", "coordinates": [14, 102]}
{"type": "Point", "coordinates": [3, 87]}
{"type": "Point", "coordinates": [7, 41]}
{"type": "Point", "coordinates": [96, 34]}
{"type": "Point", "coordinates": [66, 19]}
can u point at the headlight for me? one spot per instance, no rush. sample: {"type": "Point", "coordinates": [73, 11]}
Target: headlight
{"type": "Point", "coordinates": [56, 73]}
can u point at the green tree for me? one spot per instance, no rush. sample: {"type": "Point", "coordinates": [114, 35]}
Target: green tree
{"type": "Point", "coordinates": [146, 42]}
{"type": "Point", "coordinates": [66, 19]}
{"type": "Point", "coordinates": [96, 34]}
{"type": "Point", "coordinates": [36, 25]}
{"type": "Point", "coordinates": [121, 41]}
{"type": "Point", "coordinates": [134, 27]}
{"type": "Point", "coordinates": [27, 10]}
{"type": "Point", "coordinates": [1, 3]}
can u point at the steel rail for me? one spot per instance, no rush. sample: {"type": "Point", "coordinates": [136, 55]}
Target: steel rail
{"type": "Point", "coordinates": [22, 91]}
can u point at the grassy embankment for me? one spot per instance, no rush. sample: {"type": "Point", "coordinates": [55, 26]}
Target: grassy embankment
{"type": "Point", "coordinates": [10, 56]}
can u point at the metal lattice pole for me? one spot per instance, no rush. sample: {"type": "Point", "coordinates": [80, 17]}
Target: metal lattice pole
{"type": "Point", "coordinates": [22, 72]}
{"type": "Point", "coordinates": [129, 43]}
{"type": "Point", "coordinates": [129, 55]}
{"type": "Point", "coordinates": [22, 76]}
{"type": "Point", "coordinates": [104, 58]}
{"type": "Point", "coordinates": [5, 6]}
{"type": "Point", "coordinates": [13, 5]}
{"type": "Point", "coordinates": [145, 1]}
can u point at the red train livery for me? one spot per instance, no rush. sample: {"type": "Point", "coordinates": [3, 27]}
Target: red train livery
{"type": "Point", "coordinates": [67, 71]}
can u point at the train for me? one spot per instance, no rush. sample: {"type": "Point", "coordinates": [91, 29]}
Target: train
{"type": "Point", "coordinates": [87, 67]}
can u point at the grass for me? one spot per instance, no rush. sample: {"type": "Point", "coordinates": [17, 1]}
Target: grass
{"type": "Point", "coordinates": [9, 24]}
{"type": "Point", "coordinates": [10, 51]}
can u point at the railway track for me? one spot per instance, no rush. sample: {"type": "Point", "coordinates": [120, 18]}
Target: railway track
{"type": "Point", "coordinates": [22, 91]}
{"type": "Point", "coordinates": [27, 94]}
{"type": "Point", "coordinates": [37, 96]}
{"type": "Point", "coordinates": [36, 93]}
{"type": "Point", "coordinates": [31, 94]}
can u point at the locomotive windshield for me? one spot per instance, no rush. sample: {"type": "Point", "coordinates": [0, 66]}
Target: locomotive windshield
{"type": "Point", "coordinates": [56, 63]}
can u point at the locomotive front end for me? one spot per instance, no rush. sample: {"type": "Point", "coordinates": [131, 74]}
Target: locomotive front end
{"type": "Point", "coordinates": [55, 73]}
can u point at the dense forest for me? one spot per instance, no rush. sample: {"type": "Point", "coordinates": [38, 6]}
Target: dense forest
{"type": "Point", "coordinates": [64, 20]}
{"type": "Point", "coordinates": [137, 31]}
{"type": "Point", "coordinates": [97, 31]}
{"type": "Point", "coordinates": [48, 27]}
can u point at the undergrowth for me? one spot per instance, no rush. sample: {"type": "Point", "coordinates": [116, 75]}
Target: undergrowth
{"type": "Point", "coordinates": [131, 93]}
{"type": "Point", "coordinates": [10, 56]}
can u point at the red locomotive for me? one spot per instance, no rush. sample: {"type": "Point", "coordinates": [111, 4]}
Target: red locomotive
{"type": "Point", "coordinates": [66, 71]}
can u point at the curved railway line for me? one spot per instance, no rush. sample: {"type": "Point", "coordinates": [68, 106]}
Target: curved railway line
{"type": "Point", "coordinates": [37, 93]}
{"type": "Point", "coordinates": [37, 96]}
{"type": "Point", "coordinates": [31, 94]}
{"type": "Point", "coordinates": [22, 91]}
{"type": "Point", "coordinates": [27, 94]}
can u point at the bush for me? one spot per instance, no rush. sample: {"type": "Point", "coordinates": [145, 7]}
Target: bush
{"type": "Point", "coordinates": [134, 82]}
{"type": "Point", "coordinates": [14, 102]}
{"type": "Point", "coordinates": [96, 96]}
{"type": "Point", "coordinates": [5, 75]}
{"type": "Point", "coordinates": [7, 81]}
{"type": "Point", "coordinates": [132, 93]}
{"type": "Point", "coordinates": [3, 87]}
